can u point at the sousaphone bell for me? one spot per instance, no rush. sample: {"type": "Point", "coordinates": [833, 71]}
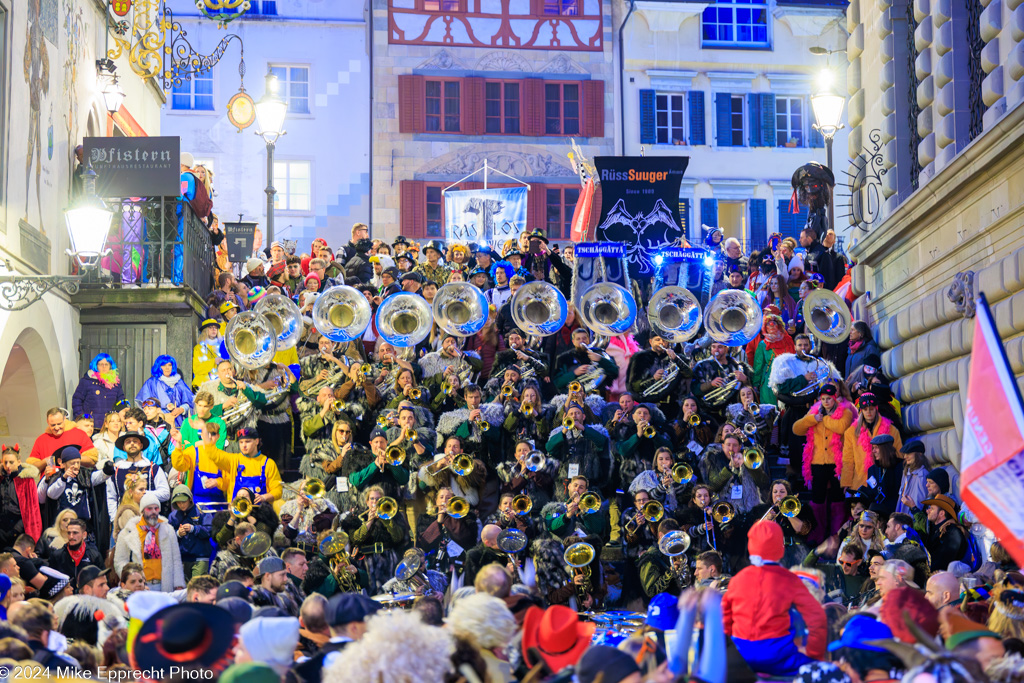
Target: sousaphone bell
{"type": "Point", "coordinates": [341, 314]}
{"type": "Point", "coordinates": [404, 320]}
{"type": "Point", "coordinates": [251, 340]}
{"type": "Point", "coordinates": [674, 314]}
{"type": "Point", "coordinates": [733, 318]}
{"type": "Point", "coordinates": [607, 309]}
{"type": "Point", "coordinates": [539, 309]}
{"type": "Point", "coordinates": [827, 317]}
{"type": "Point", "coordinates": [460, 309]}
{"type": "Point", "coordinates": [284, 317]}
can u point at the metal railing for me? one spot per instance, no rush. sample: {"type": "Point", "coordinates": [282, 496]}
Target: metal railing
{"type": "Point", "coordinates": [159, 242]}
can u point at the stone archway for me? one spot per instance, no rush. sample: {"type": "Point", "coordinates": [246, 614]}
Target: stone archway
{"type": "Point", "coordinates": [26, 390]}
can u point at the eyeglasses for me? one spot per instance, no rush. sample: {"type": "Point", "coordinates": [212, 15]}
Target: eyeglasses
{"type": "Point", "coordinates": [344, 431]}
{"type": "Point", "coordinates": [845, 563]}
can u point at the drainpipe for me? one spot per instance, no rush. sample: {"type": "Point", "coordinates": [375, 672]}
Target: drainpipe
{"type": "Point", "coordinates": [369, 218]}
{"type": "Point", "coordinates": [622, 75]}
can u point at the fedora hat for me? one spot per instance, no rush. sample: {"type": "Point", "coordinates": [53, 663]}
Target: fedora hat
{"type": "Point", "coordinates": [119, 444]}
{"type": "Point", "coordinates": [943, 502]}
{"type": "Point", "coordinates": [190, 635]}
{"type": "Point", "coordinates": [557, 634]}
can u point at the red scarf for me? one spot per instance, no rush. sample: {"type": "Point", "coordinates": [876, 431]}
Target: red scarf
{"type": "Point", "coordinates": [77, 555]}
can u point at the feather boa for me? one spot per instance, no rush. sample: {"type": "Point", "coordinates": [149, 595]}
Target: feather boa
{"type": "Point", "coordinates": [835, 443]}
{"type": "Point", "coordinates": [108, 379]}
{"type": "Point", "coordinates": [864, 437]}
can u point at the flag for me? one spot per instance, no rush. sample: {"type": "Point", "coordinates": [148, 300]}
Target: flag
{"type": "Point", "coordinates": [992, 456]}
{"type": "Point", "coordinates": [581, 214]}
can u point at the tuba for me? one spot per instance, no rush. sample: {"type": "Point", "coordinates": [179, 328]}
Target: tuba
{"type": "Point", "coordinates": [827, 316]}
{"type": "Point", "coordinates": [674, 314]}
{"type": "Point", "coordinates": [733, 318]}
{"type": "Point", "coordinates": [607, 310]}
{"type": "Point", "coordinates": [579, 556]}
{"type": "Point", "coordinates": [341, 314]}
{"type": "Point", "coordinates": [404, 320]}
{"type": "Point", "coordinates": [539, 309]}
{"type": "Point", "coordinates": [251, 340]}
{"type": "Point", "coordinates": [460, 309]}
{"type": "Point", "coordinates": [284, 317]}
{"type": "Point", "coordinates": [674, 545]}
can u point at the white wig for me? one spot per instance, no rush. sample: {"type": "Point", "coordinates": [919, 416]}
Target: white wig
{"type": "Point", "coordinates": [483, 620]}
{"type": "Point", "coordinates": [397, 648]}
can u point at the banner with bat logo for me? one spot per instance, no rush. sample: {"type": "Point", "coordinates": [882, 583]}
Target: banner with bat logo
{"type": "Point", "coordinates": [640, 206]}
{"type": "Point", "coordinates": [490, 216]}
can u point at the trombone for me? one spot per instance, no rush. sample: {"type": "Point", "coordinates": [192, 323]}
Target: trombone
{"type": "Point", "coordinates": [240, 507]}
{"type": "Point", "coordinates": [521, 505]}
{"type": "Point", "coordinates": [395, 456]}
{"type": "Point", "coordinates": [723, 512]}
{"type": "Point", "coordinates": [535, 461]}
{"type": "Point", "coordinates": [788, 507]}
{"type": "Point", "coordinates": [457, 508]}
{"type": "Point", "coordinates": [312, 488]}
{"type": "Point", "coordinates": [387, 508]}
{"type": "Point", "coordinates": [652, 511]}
{"type": "Point", "coordinates": [753, 458]}
{"type": "Point", "coordinates": [462, 465]}
{"type": "Point", "coordinates": [682, 473]}
{"type": "Point", "coordinates": [589, 502]}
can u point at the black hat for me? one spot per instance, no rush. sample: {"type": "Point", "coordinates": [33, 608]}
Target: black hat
{"type": "Point", "coordinates": [828, 390]}
{"type": "Point", "coordinates": [232, 589]}
{"type": "Point", "coordinates": [872, 363]}
{"type": "Point", "coordinates": [538, 235]}
{"type": "Point", "coordinates": [867, 399]}
{"type": "Point", "coordinates": [813, 170]}
{"type": "Point", "coordinates": [346, 608]}
{"type": "Point", "coordinates": [477, 247]}
{"type": "Point", "coordinates": [55, 582]}
{"type": "Point", "coordinates": [436, 245]}
{"type": "Point", "coordinates": [394, 272]}
{"type": "Point", "coordinates": [240, 610]}
{"type": "Point", "coordinates": [247, 433]}
{"type": "Point", "coordinates": [514, 251]}
{"type": "Point", "coordinates": [377, 432]}
{"type": "Point", "coordinates": [401, 239]}
{"type": "Point", "coordinates": [913, 446]}
{"type": "Point", "coordinates": [605, 663]}
{"type": "Point", "coordinates": [191, 635]}
{"type": "Point", "coordinates": [90, 573]}
{"type": "Point", "coordinates": [413, 276]}
{"type": "Point", "coordinates": [119, 444]}
{"type": "Point", "coordinates": [477, 271]}
{"type": "Point", "coordinates": [407, 256]}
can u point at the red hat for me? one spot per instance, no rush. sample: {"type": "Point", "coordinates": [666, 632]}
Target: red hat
{"type": "Point", "coordinates": [765, 540]}
{"type": "Point", "coordinates": [912, 602]}
{"type": "Point", "coordinates": [558, 634]}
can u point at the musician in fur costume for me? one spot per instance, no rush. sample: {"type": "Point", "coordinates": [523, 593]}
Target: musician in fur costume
{"type": "Point", "coordinates": [516, 479]}
{"type": "Point", "coordinates": [485, 445]}
{"type": "Point", "coordinates": [511, 376]}
{"type": "Point", "coordinates": [379, 472]}
{"type": "Point", "coordinates": [857, 458]}
{"type": "Point", "coordinates": [591, 367]}
{"type": "Point", "coordinates": [274, 417]}
{"type": "Point", "coordinates": [715, 373]}
{"type": "Point", "coordinates": [633, 449]}
{"type": "Point", "coordinates": [564, 519]}
{"type": "Point", "coordinates": [317, 417]}
{"type": "Point", "coordinates": [822, 458]}
{"type": "Point", "coordinates": [450, 360]}
{"type": "Point", "coordinates": [319, 368]}
{"type": "Point", "coordinates": [227, 392]}
{"type": "Point", "coordinates": [361, 398]}
{"type": "Point", "coordinates": [518, 353]}
{"type": "Point", "coordinates": [582, 450]}
{"type": "Point", "coordinates": [1007, 615]}
{"type": "Point", "coordinates": [526, 419]}
{"type": "Point", "coordinates": [647, 370]}
{"type": "Point", "coordinates": [469, 486]}
{"type": "Point", "coordinates": [340, 457]}
{"type": "Point", "coordinates": [568, 593]}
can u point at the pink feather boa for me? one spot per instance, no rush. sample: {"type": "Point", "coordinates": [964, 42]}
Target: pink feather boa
{"type": "Point", "coordinates": [864, 440]}
{"type": "Point", "coordinates": [835, 443]}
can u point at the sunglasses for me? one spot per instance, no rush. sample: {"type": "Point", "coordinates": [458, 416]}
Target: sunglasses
{"type": "Point", "coordinates": [845, 563]}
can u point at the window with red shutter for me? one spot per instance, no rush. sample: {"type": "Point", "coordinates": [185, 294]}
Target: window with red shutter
{"type": "Point", "coordinates": [502, 107]}
{"type": "Point", "coordinates": [413, 208]}
{"type": "Point", "coordinates": [562, 108]}
{"type": "Point", "coordinates": [410, 104]}
{"type": "Point", "coordinates": [533, 106]}
{"type": "Point", "coordinates": [473, 106]}
{"type": "Point", "coordinates": [593, 109]}
{"type": "Point", "coordinates": [536, 207]}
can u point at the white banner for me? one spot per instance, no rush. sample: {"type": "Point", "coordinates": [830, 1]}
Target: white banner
{"type": "Point", "coordinates": [492, 216]}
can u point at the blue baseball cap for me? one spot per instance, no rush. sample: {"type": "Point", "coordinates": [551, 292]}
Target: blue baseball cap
{"type": "Point", "coordinates": [861, 630]}
{"type": "Point", "coordinates": [663, 612]}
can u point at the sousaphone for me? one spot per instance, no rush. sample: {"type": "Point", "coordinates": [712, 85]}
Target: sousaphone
{"type": "Point", "coordinates": [733, 318]}
{"type": "Point", "coordinates": [827, 317]}
{"type": "Point", "coordinates": [251, 340]}
{"type": "Point", "coordinates": [674, 313]}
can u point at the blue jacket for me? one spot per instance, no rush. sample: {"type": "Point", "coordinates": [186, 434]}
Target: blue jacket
{"type": "Point", "coordinates": [95, 399]}
{"type": "Point", "coordinates": [195, 545]}
{"type": "Point", "coordinates": [179, 394]}
{"type": "Point", "coordinates": [856, 359]}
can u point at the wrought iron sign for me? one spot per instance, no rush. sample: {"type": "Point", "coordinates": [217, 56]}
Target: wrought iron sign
{"type": "Point", "coordinates": [865, 198]}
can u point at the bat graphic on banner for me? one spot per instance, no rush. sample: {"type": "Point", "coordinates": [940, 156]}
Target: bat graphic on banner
{"type": "Point", "coordinates": [640, 246]}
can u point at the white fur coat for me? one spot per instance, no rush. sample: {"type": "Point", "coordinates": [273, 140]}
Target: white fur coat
{"type": "Point", "coordinates": [786, 366]}
{"type": "Point", "coordinates": [129, 549]}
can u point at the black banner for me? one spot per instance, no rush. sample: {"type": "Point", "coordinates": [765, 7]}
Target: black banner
{"type": "Point", "coordinates": [240, 237]}
{"type": "Point", "coordinates": [135, 167]}
{"type": "Point", "coordinates": [640, 206]}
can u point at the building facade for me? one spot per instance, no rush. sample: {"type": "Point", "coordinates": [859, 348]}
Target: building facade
{"type": "Point", "coordinates": [729, 84]}
{"type": "Point", "coordinates": [935, 143]}
{"type": "Point", "coordinates": [458, 82]}
{"type": "Point", "coordinates": [49, 101]}
{"type": "Point", "coordinates": [318, 52]}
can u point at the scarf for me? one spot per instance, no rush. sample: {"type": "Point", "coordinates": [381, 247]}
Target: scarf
{"type": "Point", "coordinates": [151, 545]}
{"type": "Point", "coordinates": [882, 426]}
{"type": "Point", "coordinates": [856, 345]}
{"type": "Point", "coordinates": [77, 555]}
{"type": "Point", "coordinates": [170, 381]}
{"type": "Point", "coordinates": [835, 442]}
{"type": "Point", "coordinates": [108, 379]}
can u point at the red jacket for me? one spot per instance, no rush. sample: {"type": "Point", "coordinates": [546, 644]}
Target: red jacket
{"type": "Point", "coordinates": [756, 607]}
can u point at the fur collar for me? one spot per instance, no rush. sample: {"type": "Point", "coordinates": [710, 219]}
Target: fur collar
{"type": "Point", "coordinates": [786, 366]}
{"type": "Point", "coordinates": [28, 472]}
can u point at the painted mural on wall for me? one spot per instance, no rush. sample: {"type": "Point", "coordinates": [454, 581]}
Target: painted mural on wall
{"type": "Point", "coordinates": [37, 77]}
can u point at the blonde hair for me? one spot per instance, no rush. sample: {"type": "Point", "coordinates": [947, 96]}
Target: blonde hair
{"type": "Point", "coordinates": [130, 484]}
{"type": "Point", "coordinates": [59, 537]}
{"type": "Point", "coordinates": [483, 620]}
{"type": "Point", "coordinates": [366, 493]}
{"type": "Point", "coordinates": [398, 648]}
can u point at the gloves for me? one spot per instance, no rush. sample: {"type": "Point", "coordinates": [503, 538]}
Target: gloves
{"type": "Point", "coordinates": [108, 468]}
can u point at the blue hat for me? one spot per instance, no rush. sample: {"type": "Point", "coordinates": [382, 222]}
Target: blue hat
{"type": "Point", "coordinates": [69, 453]}
{"type": "Point", "coordinates": [247, 433]}
{"type": "Point", "coordinates": [859, 631]}
{"type": "Point", "coordinates": [346, 608]}
{"type": "Point", "coordinates": [913, 446]}
{"type": "Point", "coordinates": [377, 432]}
{"type": "Point", "coordinates": [663, 612]}
{"type": "Point", "coordinates": [882, 440]}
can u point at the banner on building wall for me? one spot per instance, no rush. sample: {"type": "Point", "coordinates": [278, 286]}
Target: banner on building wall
{"type": "Point", "coordinates": [640, 206]}
{"type": "Point", "coordinates": [135, 167]}
{"type": "Point", "coordinates": [240, 237]}
{"type": "Point", "coordinates": [992, 455]}
{"type": "Point", "coordinates": [492, 216]}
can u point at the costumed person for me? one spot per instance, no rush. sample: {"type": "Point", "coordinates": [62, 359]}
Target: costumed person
{"type": "Point", "coordinates": [774, 342]}
{"type": "Point", "coordinates": [167, 387]}
{"type": "Point", "coordinates": [756, 609]}
{"type": "Point", "coordinates": [822, 463]}
{"type": "Point", "coordinates": [150, 541]}
{"type": "Point", "coordinates": [198, 472]}
{"type": "Point", "coordinates": [655, 375]}
{"type": "Point", "coordinates": [857, 452]}
{"type": "Point", "coordinates": [713, 375]}
{"type": "Point", "coordinates": [207, 353]}
{"type": "Point", "coordinates": [248, 469]}
{"type": "Point", "coordinates": [377, 542]}
{"type": "Point", "coordinates": [99, 390]}
{"type": "Point", "coordinates": [19, 499]}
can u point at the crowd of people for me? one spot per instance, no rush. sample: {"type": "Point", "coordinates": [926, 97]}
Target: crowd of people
{"type": "Point", "coordinates": [499, 507]}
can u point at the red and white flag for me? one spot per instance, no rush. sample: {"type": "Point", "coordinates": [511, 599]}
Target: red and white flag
{"type": "Point", "coordinates": [992, 456]}
{"type": "Point", "coordinates": [581, 215]}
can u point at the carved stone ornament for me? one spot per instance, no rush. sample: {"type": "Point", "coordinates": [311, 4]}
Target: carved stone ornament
{"type": "Point", "coordinates": [961, 293]}
{"type": "Point", "coordinates": [563, 65]}
{"type": "Point", "coordinates": [503, 61]}
{"type": "Point", "coordinates": [518, 164]}
{"type": "Point", "coordinates": [442, 60]}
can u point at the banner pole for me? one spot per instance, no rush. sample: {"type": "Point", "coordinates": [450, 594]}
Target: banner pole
{"type": "Point", "coordinates": [485, 173]}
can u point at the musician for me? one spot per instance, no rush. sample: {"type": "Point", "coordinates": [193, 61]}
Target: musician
{"type": "Point", "coordinates": [377, 543]}
{"type": "Point", "coordinates": [360, 396]}
{"type": "Point", "coordinates": [318, 417]}
{"type": "Point", "coordinates": [274, 417]}
{"type": "Point", "coordinates": [230, 536]}
{"type": "Point", "coordinates": [658, 480]}
{"type": "Point", "coordinates": [464, 424]}
{"type": "Point", "coordinates": [510, 376]}
{"type": "Point", "coordinates": [696, 520]}
{"type": "Point", "coordinates": [424, 582]}
{"type": "Point", "coordinates": [823, 426]}
{"type": "Point", "coordinates": [406, 388]}
{"type": "Point", "coordinates": [421, 449]}
{"type": "Point", "coordinates": [591, 576]}
{"type": "Point", "coordinates": [324, 367]}
{"type": "Point", "coordinates": [207, 353]}
{"type": "Point", "coordinates": [566, 518]}
{"type": "Point", "coordinates": [637, 532]}
{"type": "Point", "coordinates": [715, 373]}
{"type": "Point", "coordinates": [595, 369]}
{"type": "Point", "coordinates": [518, 353]}
{"type": "Point", "coordinates": [505, 517]}
{"type": "Point", "coordinates": [691, 431]}
{"type": "Point", "coordinates": [789, 379]}
{"type": "Point", "coordinates": [132, 444]}
{"type": "Point", "coordinates": [450, 360]}
{"type": "Point", "coordinates": [659, 573]}
{"type": "Point", "coordinates": [442, 537]}
{"type": "Point", "coordinates": [634, 449]}
{"type": "Point", "coordinates": [438, 474]}
{"type": "Point", "coordinates": [794, 529]}
{"type": "Point", "coordinates": [228, 392]}
{"type": "Point", "coordinates": [449, 397]}
{"type": "Point", "coordinates": [857, 450]}
{"type": "Point", "coordinates": [519, 425]}
{"type": "Point", "coordinates": [198, 472]}
{"type": "Point", "coordinates": [733, 481]}
{"type": "Point", "coordinates": [517, 479]}
{"type": "Point", "coordinates": [249, 469]}
{"type": "Point", "coordinates": [483, 553]}
{"type": "Point", "coordinates": [647, 374]}
{"type": "Point", "coordinates": [379, 472]}
{"type": "Point", "coordinates": [749, 411]}
{"type": "Point", "coordinates": [192, 426]}
{"type": "Point", "coordinates": [581, 451]}
{"type": "Point", "coordinates": [334, 463]}
{"type": "Point", "coordinates": [302, 516]}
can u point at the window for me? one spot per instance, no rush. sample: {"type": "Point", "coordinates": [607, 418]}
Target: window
{"type": "Point", "coordinates": [789, 121]}
{"type": "Point", "coordinates": [561, 203]}
{"type": "Point", "coordinates": [293, 87]}
{"type": "Point", "coordinates": [442, 109]}
{"type": "Point", "coordinates": [292, 179]}
{"type": "Point", "coordinates": [442, 5]}
{"type": "Point", "coordinates": [501, 107]}
{"type": "Point", "coordinates": [196, 94]}
{"type": "Point", "coordinates": [669, 118]}
{"type": "Point", "coordinates": [435, 212]}
{"type": "Point", "coordinates": [736, 120]}
{"type": "Point", "coordinates": [736, 22]}
{"type": "Point", "coordinates": [562, 109]}
{"type": "Point", "coordinates": [267, 7]}
{"type": "Point", "coordinates": [565, 8]}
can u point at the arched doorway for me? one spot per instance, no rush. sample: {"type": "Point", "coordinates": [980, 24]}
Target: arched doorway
{"type": "Point", "coordinates": [26, 391]}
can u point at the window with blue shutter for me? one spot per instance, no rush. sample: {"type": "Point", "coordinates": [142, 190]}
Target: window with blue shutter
{"type": "Point", "coordinates": [647, 134]}
{"type": "Point", "coordinates": [684, 216]}
{"type": "Point", "coordinates": [790, 224]}
{"type": "Point", "coordinates": [697, 117]}
{"type": "Point", "coordinates": [723, 120]}
{"type": "Point", "coordinates": [817, 140]}
{"type": "Point", "coordinates": [709, 212]}
{"type": "Point", "coordinates": [754, 124]}
{"type": "Point", "coordinates": [758, 223]}
{"type": "Point", "coordinates": [767, 119]}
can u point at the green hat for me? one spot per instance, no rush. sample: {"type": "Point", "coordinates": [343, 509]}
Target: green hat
{"type": "Point", "coordinates": [181, 494]}
{"type": "Point", "coordinates": [250, 672]}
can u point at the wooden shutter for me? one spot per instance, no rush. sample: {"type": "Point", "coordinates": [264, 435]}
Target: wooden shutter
{"type": "Point", "coordinates": [595, 212]}
{"type": "Point", "coordinates": [790, 224]}
{"type": "Point", "coordinates": [533, 106]}
{"type": "Point", "coordinates": [754, 119]}
{"type": "Point", "coordinates": [414, 208]}
{"type": "Point", "coordinates": [412, 96]}
{"type": "Point", "coordinates": [536, 208]}
{"type": "Point", "coordinates": [758, 223]}
{"type": "Point", "coordinates": [471, 105]}
{"type": "Point", "coordinates": [648, 134]}
{"type": "Point", "coordinates": [723, 120]}
{"type": "Point", "coordinates": [768, 120]}
{"type": "Point", "coordinates": [709, 212]}
{"type": "Point", "coordinates": [593, 109]}
{"type": "Point", "coordinates": [696, 101]}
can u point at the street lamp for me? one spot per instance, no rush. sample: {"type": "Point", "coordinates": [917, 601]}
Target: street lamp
{"type": "Point", "coordinates": [88, 223]}
{"type": "Point", "coordinates": [828, 115]}
{"type": "Point", "coordinates": [270, 113]}
{"type": "Point", "coordinates": [110, 89]}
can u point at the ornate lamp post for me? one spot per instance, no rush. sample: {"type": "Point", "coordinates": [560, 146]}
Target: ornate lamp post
{"type": "Point", "coordinates": [270, 114]}
{"type": "Point", "coordinates": [828, 115]}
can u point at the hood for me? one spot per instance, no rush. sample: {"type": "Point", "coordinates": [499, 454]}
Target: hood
{"type": "Point", "coordinates": [181, 490]}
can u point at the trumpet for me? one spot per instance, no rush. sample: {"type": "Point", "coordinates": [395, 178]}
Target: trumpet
{"type": "Point", "coordinates": [482, 425]}
{"type": "Point", "coordinates": [788, 507]}
{"type": "Point", "coordinates": [415, 394]}
{"type": "Point", "coordinates": [507, 391]}
{"type": "Point", "coordinates": [366, 370]}
{"type": "Point", "coordinates": [410, 435]}
{"type": "Point", "coordinates": [568, 424]}
{"type": "Point", "coordinates": [385, 419]}
{"type": "Point", "coordinates": [240, 507]}
{"type": "Point", "coordinates": [395, 455]}
{"type": "Point", "coordinates": [750, 428]}
{"type": "Point", "coordinates": [447, 388]}
{"type": "Point", "coordinates": [457, 507]}
{"type": "Point", "coordinates": [723, 512]}
{"type": "Point", "coordinates": [649, 431]}
{"type": "Point", "coordinates": [338, 406]}
{"type": "Point", "coordinates": [694, 420]}
{"type": "Point", "coordinates": [590, 502]}
{"type": "Point", "coordinates": [754, 410]}
{"type": "Point", "coordinates": [522, 505]}
{"type": "Point", "coordinates": [753, 458]}
{"type": "Point", "coordinates": [575, 387]}
{"type": "Point", "coordinates": [313, 489]}
{"type": "Point", "coordinates": [528, 409]}
{"type": "Point", "coordinates": [535, 461]}
{"type": "Point", "coordinates": [682, 473]}
{"type": "Point", "coordinates": [387, 508]}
